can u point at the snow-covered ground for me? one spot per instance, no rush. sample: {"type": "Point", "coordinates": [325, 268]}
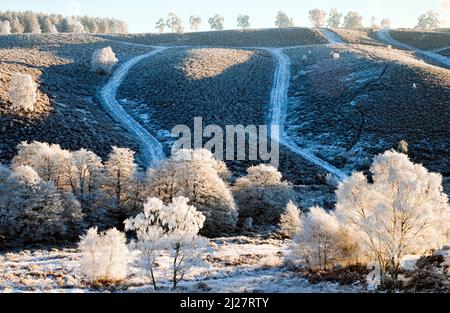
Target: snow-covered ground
{"type": "Point", "coordinates": [237, 264]}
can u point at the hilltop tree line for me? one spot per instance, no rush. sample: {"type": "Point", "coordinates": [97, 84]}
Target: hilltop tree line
{"type": "Point", "coordinates": [318, 18]}
{"type": "Point", "coordinates": [353, 20]}
{"type": "Point", "coordinates": [37, 23]}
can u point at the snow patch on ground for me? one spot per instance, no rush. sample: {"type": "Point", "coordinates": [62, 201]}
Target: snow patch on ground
{"type": "Point", "coordinates": [236, 264]}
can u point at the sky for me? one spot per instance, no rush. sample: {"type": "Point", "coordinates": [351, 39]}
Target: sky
{"type": "Point", "coordinates": [141, 15]}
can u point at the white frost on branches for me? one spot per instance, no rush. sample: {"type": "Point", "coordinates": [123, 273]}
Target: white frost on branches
{"type": "Point", "coordinates": [290, 221]}
{"type": "Point", "coordinates": [173, 227]}
{"type": "Point", "coordinates": [5, 28]}
{"type": "Point", "coordinates": [321, 241]}
{"type": "Point", "coordinates": [104, 256]}
{"type": "Point", "coordinates": [22, 92]}
{"type": "Point", "coordinates": [103, 60]}
{"type": "Point", "coordinates": [404, 211]}
{"type": "Point", "coordinates": [262, 195]}
{"type": "Point", "coordinates": [31, 209]}
{"type": "Point", "coordinates": [196, 175]}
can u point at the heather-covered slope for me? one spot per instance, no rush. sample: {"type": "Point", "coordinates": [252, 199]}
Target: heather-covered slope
{"type": "Point", "coordinates": [272, 37]}
{"type": "Point", "coordinates": [370, 100]}
{"type": "Point", "coordinates": [67, 111]}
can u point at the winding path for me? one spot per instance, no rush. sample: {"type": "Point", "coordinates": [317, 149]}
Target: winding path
{"type": "Point", "coordinates": [278, 104]}
{"type": "Point", "coordinates": [151, 149]}
{"type": "Point", "coordinates": [385, 36]}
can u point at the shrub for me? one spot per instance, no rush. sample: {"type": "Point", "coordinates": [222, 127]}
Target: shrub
{"type": "Point", "coordinates": [22, 92]}
{"type": "Point", "coordinates": [103, 60]}
{"type": "Point", "coordinates": [195, 174]}
{"type": "Point", "coordinates": [262, 195]}
{"type": "Point", "coordinates": [104, 256]}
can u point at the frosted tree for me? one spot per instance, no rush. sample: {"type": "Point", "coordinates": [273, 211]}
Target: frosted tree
{"type": "Point", "coordinates": [195, 174]}
{"type": "Point", "coordinates": [149, 231]}
{"type": "Point", "coordinates": [174, 227]}
{"type": "Point", "coordinates": [31, 23]}
{"type": "Point", "coordinates": [174, 23]}
{"type": "Point", "coordinates": [353, 20]}
{"type": "Point", "coordinates": [385, 23]}
{"type": "Point", "coordinates": [160, 25]}
{"type": "Point", "coordinates": [194, 22]}
{"type": "Point", "coordinates": [104, 256]}
{"type": "Point", "coordinates": [282, 20]}
{"type": "Point", "coordinates": [317, 17]}
{"type": "Point", "coordinates": [16, 26]}
{"type": "Point", "coordinates": [428, 20]}
{"type": "Point", "coordinates": [290, 221]}
{"type": "Point", "coordinates": [22, 92]}
{"type": "Point", "coordinates": [334, 18]}
{"type": "Point", "coordinates": [50, 161]}
{"type": "Point", "coordinates": [321, 241]}
{"type": "Point", "coordinates": [47, 25]}
{"type": "Point", "coordinates": [118, 27]}
{"type": "Point", "coordinates": [103, 60]}
{"type": "Point", "coordinates": [216, 22]}
{"type": "Point", "coordinates": [5, 28]}
{"type": "Point", "coordinates": [374, 23]}
{"type": "Point", "coordinates": [120, 169]}
{"type": "Point", "coordinates": [74, 26]}
{"type": "Point", "coordinates": [85, 175]}
{"type": "Point", "coordinates": [72, 215]}
{"type": "Point", "coordinates": [30, 209]}
{"type": "Point", "coordinates": [243, 21]}
{"type": "Point", "coordinates": [90, 248]}
{"type": "Point", "coordinates": [403, 147]}
{"type": "Point", "coordinates": [262, 195]}
{"type": "Point", "coordinates": [404, 211]}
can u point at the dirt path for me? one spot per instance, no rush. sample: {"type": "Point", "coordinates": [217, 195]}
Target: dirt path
{"type": "Point", "coordinates": [385, 36]}
{"type": "Point", "coordinates": [332, 37]}
{"type": "Point", "coordinates": [278, 107]}
{"type": "Point", "coordinates": [151, 149]}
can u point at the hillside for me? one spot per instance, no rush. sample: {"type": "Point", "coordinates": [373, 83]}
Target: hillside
{"type": "Point", "coordinates": [272, 37]}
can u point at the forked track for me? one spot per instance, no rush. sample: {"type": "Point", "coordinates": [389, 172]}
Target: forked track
{"type": "Point", "coordinates": [152, 151]}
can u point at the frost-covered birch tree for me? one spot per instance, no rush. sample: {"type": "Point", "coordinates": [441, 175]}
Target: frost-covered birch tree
{"type": "Point", "coordinates": [105, 256]}
{"type": "Point", "coordinates": [173, 227]}
{"type": "Point", "coordinates": [404, 211]}
{"type": "Point", "coordinates": [196, 175]}
{"type": "Point", "coordinates": [262, 195]}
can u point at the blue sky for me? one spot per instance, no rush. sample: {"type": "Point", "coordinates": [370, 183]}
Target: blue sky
{"type": "Point", "coordinates": [141, 15]}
